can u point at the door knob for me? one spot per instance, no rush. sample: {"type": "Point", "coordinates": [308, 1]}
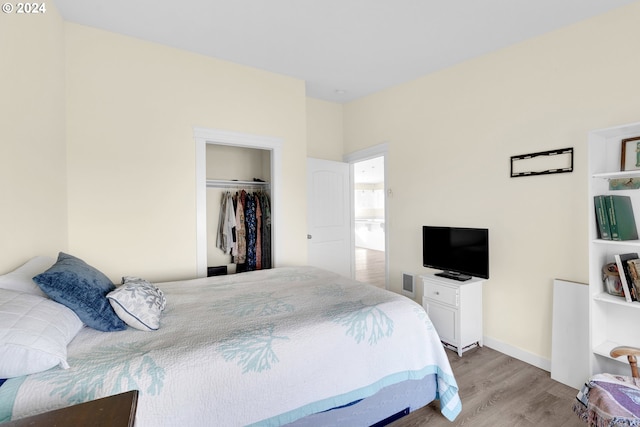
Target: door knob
{"type": "Point", "coordinates": [309, 236]}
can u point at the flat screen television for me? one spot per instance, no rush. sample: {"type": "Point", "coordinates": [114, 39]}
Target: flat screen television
{"type": "Point", "coordinates": [459, 252]}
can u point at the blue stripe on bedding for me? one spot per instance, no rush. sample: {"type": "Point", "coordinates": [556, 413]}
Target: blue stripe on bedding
{"type": "Point", "coordinates": [345, 399]}
{"type": "Point", "coordinates": [345, 406]}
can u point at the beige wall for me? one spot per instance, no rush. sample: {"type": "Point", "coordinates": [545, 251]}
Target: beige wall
{"type": "Point", "coordinates": [451, 135]}
{"type": "Point", "coordinates": [33, 217]}
{"type": "Point", "coordinates": [325, 130]}
{"type": "Point", "coordinates": [132, 106]}
{"type": "Point", "coordinates": [98, 150]}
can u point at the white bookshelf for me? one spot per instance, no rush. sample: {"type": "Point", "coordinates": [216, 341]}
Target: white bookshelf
{"type": "Point", "coordinates": [612, 320]}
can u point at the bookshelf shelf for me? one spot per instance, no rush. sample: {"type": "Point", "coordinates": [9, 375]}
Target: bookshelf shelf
{"type": "Point", "coordinates": [616, 242]}
{"type": "Point", "coordinates": [617, 175]}
{"type": "Point", "coordinates": [612, 299]}
{"type": "Point", "coordinates": [604, 349]}
{"type": "Point", "coordinates": [612, 319]}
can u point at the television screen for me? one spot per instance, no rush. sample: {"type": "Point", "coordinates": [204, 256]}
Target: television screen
{"type": "Point", "coordinates": [459, 252]}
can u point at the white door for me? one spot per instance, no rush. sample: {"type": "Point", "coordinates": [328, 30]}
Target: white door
{"type": "Point", "coordinates": [328, 216]}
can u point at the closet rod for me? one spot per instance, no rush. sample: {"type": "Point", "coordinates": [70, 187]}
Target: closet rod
{"type": "Point", "coordinates": [226, 183]}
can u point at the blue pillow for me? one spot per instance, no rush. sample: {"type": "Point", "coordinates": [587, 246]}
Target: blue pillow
{"type": "Point", "coordinates": [82, 288]}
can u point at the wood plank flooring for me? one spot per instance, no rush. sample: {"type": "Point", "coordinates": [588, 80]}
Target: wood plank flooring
{"type": "Point", "coordinates": [497, 390]}
{"type": "Point", "coordinates": [370, 267]}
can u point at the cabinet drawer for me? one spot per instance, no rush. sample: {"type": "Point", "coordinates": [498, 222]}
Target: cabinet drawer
{"type": "Point", "coordinates": [441, 293]}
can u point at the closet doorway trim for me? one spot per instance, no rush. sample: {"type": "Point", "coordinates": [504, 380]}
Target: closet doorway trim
{"type": "Point", "coordinates": [204, 136]}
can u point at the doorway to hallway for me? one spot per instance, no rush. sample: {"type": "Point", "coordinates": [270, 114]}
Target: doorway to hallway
{"type": "Point", "coordinates": [369, 221]}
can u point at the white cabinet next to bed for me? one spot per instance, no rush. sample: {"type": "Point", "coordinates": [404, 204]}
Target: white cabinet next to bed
{"type": "Point", "coordinates": [455, 309]}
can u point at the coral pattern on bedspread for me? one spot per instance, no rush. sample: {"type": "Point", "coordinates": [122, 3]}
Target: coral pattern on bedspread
{"type": "Point", "coordinates": [264, 348]}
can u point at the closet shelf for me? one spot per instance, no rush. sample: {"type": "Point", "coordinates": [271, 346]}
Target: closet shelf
{"type": "Point", "coordinates": [229, 183]}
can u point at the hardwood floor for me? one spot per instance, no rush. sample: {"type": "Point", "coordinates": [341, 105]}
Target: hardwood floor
{"type": "Point", "coordinates": [370, 267]}
{"type": "Point", "coordinates": [498, 390]}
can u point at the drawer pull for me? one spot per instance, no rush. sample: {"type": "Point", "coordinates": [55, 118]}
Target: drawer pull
{"type": "Point", "coordinates": [437, 293]}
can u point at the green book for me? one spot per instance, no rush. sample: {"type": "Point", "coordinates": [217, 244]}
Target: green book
{"type": "Point", "coordinates": [602, 218]}
{"type": "Point", "coordinates": [622, 223]}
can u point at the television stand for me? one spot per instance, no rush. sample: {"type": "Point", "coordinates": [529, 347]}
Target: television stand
{"type": "Point", "coordinates": [455, 309]}
{"type": "Point", "coordinates": [454, 276]}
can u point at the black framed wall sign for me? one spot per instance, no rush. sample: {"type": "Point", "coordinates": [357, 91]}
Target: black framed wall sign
{"type": "Point", "coordinates": [542, 163]}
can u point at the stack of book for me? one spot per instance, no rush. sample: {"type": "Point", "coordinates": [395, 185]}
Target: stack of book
{"type": "Point", "coordinates": [629, 270]}
{"type": "Point", "coordinates": [614, 215]}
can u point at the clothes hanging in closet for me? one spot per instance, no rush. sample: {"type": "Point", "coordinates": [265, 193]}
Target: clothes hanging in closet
{"type": "Point", "coordinates": [240, 257]}
{"type": "Point", "coordinates": [265, 243]}
{"type": "Point", "coordinates": [258, 233]}
{"type": "Point", "coordinates": [225, 239]}
{"type": "Point", "coordinates": [250, 219]}
{"type": "Point", "coordinates": [244, 229]}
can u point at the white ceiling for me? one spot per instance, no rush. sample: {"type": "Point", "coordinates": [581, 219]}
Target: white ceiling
{"type": "Point", "coordinates": [369, 171]}
{"type": "Point", "coordinates": [355, 46]}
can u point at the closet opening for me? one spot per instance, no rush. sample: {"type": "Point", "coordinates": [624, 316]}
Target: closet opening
{"type": "Point", "coordinates": [255, 156]}
{"type": "Point", "coordinates": [238, 209]}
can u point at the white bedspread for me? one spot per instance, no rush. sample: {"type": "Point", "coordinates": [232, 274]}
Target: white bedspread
{"type": "Point", "coordinates": [262, 348]}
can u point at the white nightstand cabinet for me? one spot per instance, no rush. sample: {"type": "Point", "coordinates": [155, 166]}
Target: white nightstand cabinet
{"type": "Point", "coordinates": [455, 308]}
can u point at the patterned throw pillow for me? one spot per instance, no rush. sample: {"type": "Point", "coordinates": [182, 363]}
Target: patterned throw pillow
{"type": "Point", "coordinates": [138, 303]}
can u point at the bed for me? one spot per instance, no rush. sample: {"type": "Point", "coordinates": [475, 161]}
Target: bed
{"type": "Point", "coordinates": [292, 345]}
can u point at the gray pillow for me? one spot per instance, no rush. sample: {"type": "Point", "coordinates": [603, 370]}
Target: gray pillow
{"type": "Point", "coordinates": [82, 288]}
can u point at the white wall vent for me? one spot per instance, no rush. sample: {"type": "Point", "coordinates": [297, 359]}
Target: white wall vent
{"type": "Point", "coordinates": [408, 284]}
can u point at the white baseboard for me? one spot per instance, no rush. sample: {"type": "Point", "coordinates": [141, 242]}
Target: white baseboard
{"type": "Point", "coordinates": [518, 353]}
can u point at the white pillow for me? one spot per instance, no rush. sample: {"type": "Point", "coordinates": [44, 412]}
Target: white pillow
{"type": "Point", "coordinates": [34, 333]}
{"type": "Point", "coordinates": [138, 303]}
{"type": "Point", "coordinates": [21, 280]}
